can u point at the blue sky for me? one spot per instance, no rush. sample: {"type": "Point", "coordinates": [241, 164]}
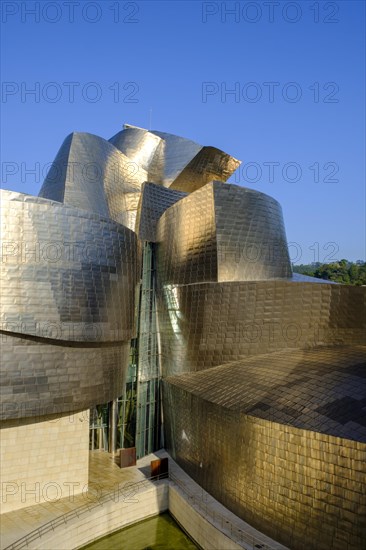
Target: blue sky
{"type": "Point", "coordinates": [295, 116]}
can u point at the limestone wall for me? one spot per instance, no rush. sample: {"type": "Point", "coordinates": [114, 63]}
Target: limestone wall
{"type": "Point", "coordinates": [43, 459]}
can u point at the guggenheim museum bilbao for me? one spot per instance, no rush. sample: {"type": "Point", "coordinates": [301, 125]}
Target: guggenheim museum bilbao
{"type": "Point", "coordinates": [146, 303]}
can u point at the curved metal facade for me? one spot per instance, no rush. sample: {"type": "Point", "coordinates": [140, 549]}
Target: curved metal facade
{"type": "Point", "coordinates": [155, 199]}
{"type": "Point", "coordinates": [279, 440]}
{"type": "Point", "coordinates": [260, 378]}
{"type": "Point", "coordinates": [71, 263]}
{"type": "Point", "coordinates": [44, 376]}
{"type": "Point", "coordinates": [222, 233]}
{"type": "Point", "coordinates": [209, 324]}
{"type": "Point", "coordinates": [66, 274]}
{"type": "Point", "coordinates": [68, 278]}
{"type": "Point", "coordinates": [141, 147]}
{"type": "Point", "coordinates": [90, 173]}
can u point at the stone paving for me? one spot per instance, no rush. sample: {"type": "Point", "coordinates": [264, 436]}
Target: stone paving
{"type": "Point", "coordinates": [104, 476]}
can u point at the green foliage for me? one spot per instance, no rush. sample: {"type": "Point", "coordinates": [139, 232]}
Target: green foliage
{"type": "Point", "coordinates": [343, 271]}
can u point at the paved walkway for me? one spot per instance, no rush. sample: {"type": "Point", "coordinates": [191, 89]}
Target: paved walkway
{"type": "Point", "coordinates": [104, 476]}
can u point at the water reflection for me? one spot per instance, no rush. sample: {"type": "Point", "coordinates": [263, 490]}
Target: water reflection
{"type": "Point", "coordinates": [157, 533]}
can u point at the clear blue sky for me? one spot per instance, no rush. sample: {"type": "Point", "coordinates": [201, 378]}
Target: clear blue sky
{"type": "Point", "coordinates": [297, 70]}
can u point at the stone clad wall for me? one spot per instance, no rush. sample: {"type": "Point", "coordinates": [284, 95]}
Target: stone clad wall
{"type": "Point", "coordinates": [300, 487]}
{"type": "Point", "coordinates": [33, 472]}
{"type": "Point", "coordinates": [198, 528]}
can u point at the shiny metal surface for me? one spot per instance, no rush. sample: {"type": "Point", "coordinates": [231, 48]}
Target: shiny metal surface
{"type": "Point", "coordinates": [173, 161]}
{"type": "Point", "coordinates": [209, 324]}
{"type": "Point", "coordinates": [105, 177]}
{"type": "Point", "coordinates": [68, 280]}
{"type": "Point", "coordinates": [143, 148]}
{"type": "Point", "coordinates": [282, 450]}
{"type": "Point", "coordinates": [209, 164]}
{"type": "Point", "coordinates": [222, 233]}
{"type": "Point", "coordinates": [321, 389]}
{"type": "Point", "coordinates": [70, 263]}
{"type": "Point", "coordinates": [43, 376]}
{"type": "Point", "coordinates": [262, 369]}
{"type": "Point", "coordinates": [66, 274]}
{"type": "Point", "coordinates": [155, 199]}
{"type": "Point", "coordinates": [188, 166]}
{"type": "Point", "coordinates": [175, 154]}
{"type": "Point", "coordinates": [90, 173]}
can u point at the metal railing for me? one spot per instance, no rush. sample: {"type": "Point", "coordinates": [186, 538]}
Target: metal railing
{"type": "Point", "coordinates": [128, 491]}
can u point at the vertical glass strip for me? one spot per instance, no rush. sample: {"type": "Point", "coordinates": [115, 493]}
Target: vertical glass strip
{"type": "Point", "coordinates": [148, 413]}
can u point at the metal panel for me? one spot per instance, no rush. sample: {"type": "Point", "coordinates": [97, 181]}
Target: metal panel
{"type": "Point", "coordinates": [281, 400]}
{"type": "Point", "coordinates": [66, 274]}
{"type": "Point", "coordinates": [209, 164]}
{"type": "Point", "coordinates": [155, 199]}
{"type": "Point", "coordinates": [41, 376]}
{"type": "Point", "coordinates": [127, 457]}
{"type": "Point", "coordinates": [90, 173]}
{"type": "Point", "coordinates": [209, 324]}
{"type": "Point", "coordinates": [140, 146]}
{"type": "Point", "coordinates": [299, 485]}
{"type": "Point", "coordinates": [321, 389]}
{"type": "Point", "coordinates": [222, 233]}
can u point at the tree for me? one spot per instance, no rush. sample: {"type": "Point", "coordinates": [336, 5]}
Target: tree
{"type": "Point", "coordinates": [343, 271]}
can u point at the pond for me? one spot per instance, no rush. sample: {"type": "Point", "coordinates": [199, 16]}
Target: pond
{"type": "Point", "coordinates": [157, 533]}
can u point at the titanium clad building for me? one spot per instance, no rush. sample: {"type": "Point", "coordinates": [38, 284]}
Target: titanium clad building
{"type": "Point", "coordinates": [140, 287]}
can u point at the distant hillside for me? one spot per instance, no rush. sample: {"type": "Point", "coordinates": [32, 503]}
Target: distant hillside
{"type": "Point", "coordinates": [345, 272]}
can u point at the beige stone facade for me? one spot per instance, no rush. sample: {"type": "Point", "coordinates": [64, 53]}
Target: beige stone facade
{"type": "Point", "coordinates": [43, 459]}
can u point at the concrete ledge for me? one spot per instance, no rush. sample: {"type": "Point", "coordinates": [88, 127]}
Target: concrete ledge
{"type": "Point", "coordinates": [205, 520]}
{"type": "Point", "coordinates": [208, 522]}
{"type": "Point", "coordinates": [107, 518]}
{"type": "Point", "coordinates": [205, 534]}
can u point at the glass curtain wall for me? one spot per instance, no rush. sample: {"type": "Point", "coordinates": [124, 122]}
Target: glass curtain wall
{"type": "Point", "coordinates": [148, 402]}
{"type": "Point", "coordinates": [133, 420]}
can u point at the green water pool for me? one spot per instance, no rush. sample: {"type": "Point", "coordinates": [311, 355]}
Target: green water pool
{"type": "Point", "coordinates": [157, 533]}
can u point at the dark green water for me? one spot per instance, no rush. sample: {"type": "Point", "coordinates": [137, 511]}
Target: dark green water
{"type": "Point", "coordinates": [157, 533]}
